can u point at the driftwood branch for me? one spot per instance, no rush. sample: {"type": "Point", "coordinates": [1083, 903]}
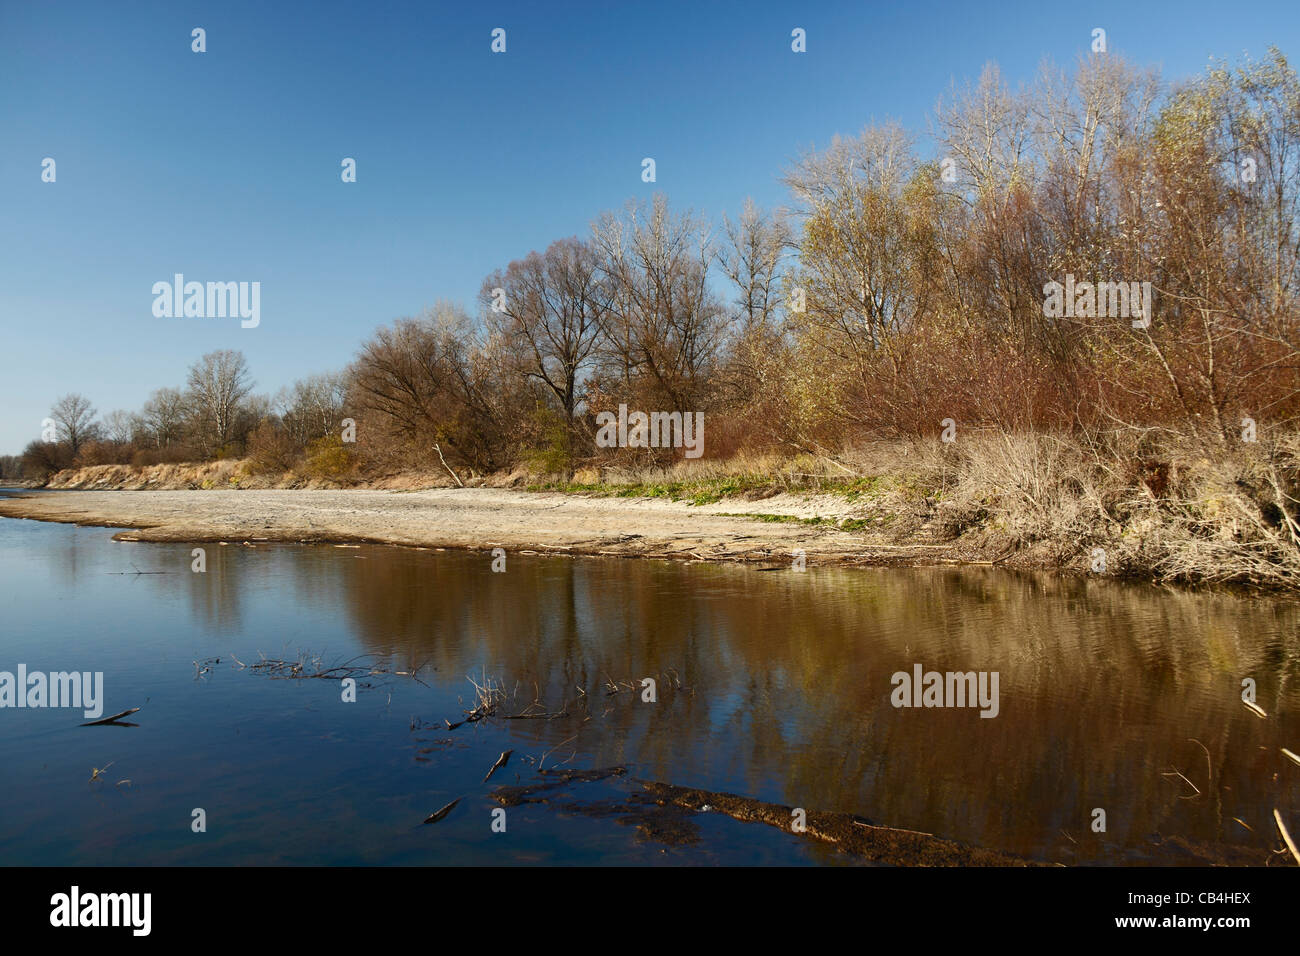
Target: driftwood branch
{"type": "Point", "coordinates": [438, 448]}
{"type": "Point", "coordinates": [111, 720]}
{"type": "Point", "coordinates": [439, 814]}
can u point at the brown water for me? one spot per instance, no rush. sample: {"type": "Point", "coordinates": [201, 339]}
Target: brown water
{"type": "Point", "coordinates": [775, 685]}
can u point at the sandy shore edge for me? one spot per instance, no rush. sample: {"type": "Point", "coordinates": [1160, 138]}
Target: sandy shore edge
{"type": "Point", "coordinates": [481, 519]}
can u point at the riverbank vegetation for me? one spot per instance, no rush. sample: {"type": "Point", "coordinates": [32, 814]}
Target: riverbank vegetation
{"type": "Point", "coordinates": [893, 337]}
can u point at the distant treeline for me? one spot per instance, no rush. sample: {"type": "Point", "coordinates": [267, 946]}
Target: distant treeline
{"type": "Point", "coordinates": [892, 294]}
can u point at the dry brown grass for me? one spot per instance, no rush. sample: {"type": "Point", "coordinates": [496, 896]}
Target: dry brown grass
{"type": "Point", "coordinates": [1159, 506]}
{"type": "Point", "coordinates": [1164, 510]}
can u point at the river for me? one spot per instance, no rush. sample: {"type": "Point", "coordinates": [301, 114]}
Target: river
{"type": "Point", "coordinates": [775, 685]}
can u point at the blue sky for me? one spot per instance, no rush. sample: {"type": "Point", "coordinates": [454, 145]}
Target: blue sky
{"type": "Point", "coordinates": [225, 165]}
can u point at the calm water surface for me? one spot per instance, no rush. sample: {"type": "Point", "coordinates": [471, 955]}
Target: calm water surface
{"type": "Point", "coordinates": [784, 695]}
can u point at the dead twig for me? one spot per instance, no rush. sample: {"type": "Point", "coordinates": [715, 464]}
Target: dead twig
{"type": "Point", "coordinates": [1175, 773]}
{"type": "Point", "coordinates": [111, 720]}
{"type": "Point", "coordinates": [501, 762]}
{"type": "Point", "coordinates": [1286, 837]}
{"type": "Point", "coordinates": [553, 749]}
{"type": "Point", "coordinates": [439, 814]}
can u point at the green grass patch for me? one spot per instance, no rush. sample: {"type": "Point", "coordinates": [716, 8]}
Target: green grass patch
{"type": "Point", "coordinates": [707, 491]}
{"type": "Point", "coordinates": [844, 524]}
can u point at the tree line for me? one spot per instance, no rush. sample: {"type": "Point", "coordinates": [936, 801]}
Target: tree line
{"type": "Point", "coordinates": [893, 293]}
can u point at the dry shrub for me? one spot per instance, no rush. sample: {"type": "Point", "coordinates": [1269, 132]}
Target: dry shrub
{"type": "Point", "coordinates": [1231, 517]}
{"type": "Point", "coordinates": [104, 453]}
{"type": "Point", "coordinates": [270, 450]}
{"type": "Point", "coordinates": [1165, 509]}
{"type": "Point", "coordinates": [330, 459]}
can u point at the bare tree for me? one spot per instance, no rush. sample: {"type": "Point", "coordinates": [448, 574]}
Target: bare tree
{"type": "Point", "coordinates": [663, 323]}
{"type": "Point", "coordinates": [312, 407]}
{"type": "Point", "coordinates": [757, 243]}
{"type": "Point", "coordinates": [119, 426]}
{"type": "Point", "coordinates": [217, 385]}
{"type": "Point", "coordinates": [859, 245]}
{"type": "Point", "coordinates": [428, 385]}
{"type": "Point", "coordinates": [74, 417]}
{"type": "Point", "coordinates": [549, 313]}
{"type": "Point", "coordinates": [163, 417]}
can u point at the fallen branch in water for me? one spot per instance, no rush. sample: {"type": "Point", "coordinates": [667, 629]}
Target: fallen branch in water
{"type": "Point", "coordinates": [555, 748]}
{"type": "Point", "coordinates": [501, 762]}
{"type": "Point", "coordinates": [1209, 766]}
{"type": "Point", "coordinates": [528, 713]}
{"type": "Point", "coordinates": [112, 720]}
{"type": "Point", "coordinates": [1286, 837]}
{"type": "Point", "coordinates": [1175, 773]}
{"type": "Point", "coordinates": [137, 571]}
{"type": "Point", "coordinates": [563, 713]}
{"type": "Point", "coordinates": [873, 826]}
{"type": "Point", "coordinates": [439, 814]}
{"type": "Point", "coordinates": [659, 803]}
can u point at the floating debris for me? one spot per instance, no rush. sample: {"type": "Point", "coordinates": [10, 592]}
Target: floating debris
{"type": "Point", "coordinates": [501, 762]}
{"type": "Point", "coordinates": [114, 719]}
{"type": "Point", "coordinates": [439, 814]}
{"type": "Point", "coordinates": [1286, 837]}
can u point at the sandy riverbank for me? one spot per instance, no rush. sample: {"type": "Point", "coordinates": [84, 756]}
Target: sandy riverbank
{"type": "Point", "coordinates": [481, 518]}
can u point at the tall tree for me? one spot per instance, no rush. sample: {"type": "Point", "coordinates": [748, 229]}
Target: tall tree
{"type": "Point", "coordinates": [163, 417]}
{"type": "Point", "coordinates": [664, 325]}
{"type": "Point", "coordinates": [550, 307]}
{"type": "Point", "coordinates": [217, 385]}
{"type": "Point", "coordinates": [752, 258]}
{"type": "Point", "coordinates": [74, 417]}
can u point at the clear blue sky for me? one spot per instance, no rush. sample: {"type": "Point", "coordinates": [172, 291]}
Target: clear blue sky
{"type": "Point", "coordinates": [225, 165]}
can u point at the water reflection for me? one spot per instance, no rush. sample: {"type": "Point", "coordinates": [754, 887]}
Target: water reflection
{"type": "Point", "coordinates": [1107, 690]}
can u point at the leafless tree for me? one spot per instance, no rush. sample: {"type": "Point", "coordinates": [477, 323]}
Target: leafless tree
{"type": "Point", "coordinates": [217, 385]}
{"type": "Point", "coordinates": [74, 417]}
{"type": "Point", "coordinates": [163, 417]}
{"type": "Point", "coordinates": [119, 426]}
{"type": "Point", "coordinates": [757, 244]}
{"type": "Point", "coordinates": [428, 386]}
{"type": "Point", "coordinates": [312, 407]}
{"type": "Point", "coordinates": [663, 325]}
{"type": "Point", "coordinates": [550, 312]}
{"type": "Point", "coordinates": [859, 246]}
